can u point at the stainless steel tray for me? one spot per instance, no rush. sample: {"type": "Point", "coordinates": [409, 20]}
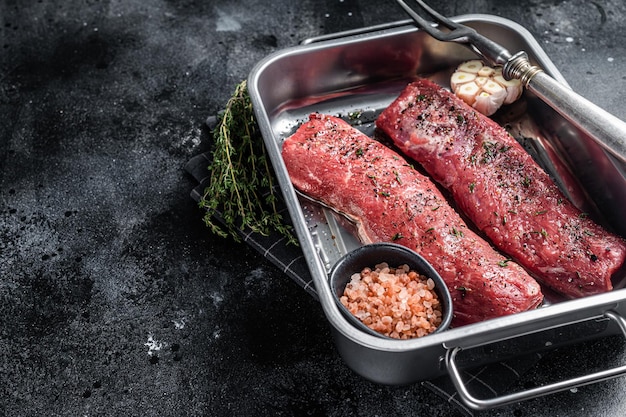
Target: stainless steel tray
{"type": "Point", "coordinates": [355, 75]}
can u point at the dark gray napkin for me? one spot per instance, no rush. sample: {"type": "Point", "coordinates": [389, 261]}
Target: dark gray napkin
{"type": "Point", "coordinates": [484, 382]}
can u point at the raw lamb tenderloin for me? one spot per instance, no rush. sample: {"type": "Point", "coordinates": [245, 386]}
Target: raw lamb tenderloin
{"type": "Point", "coordinates": [389, 201]}
{"type": "Point", "coordinates": [503, 190]}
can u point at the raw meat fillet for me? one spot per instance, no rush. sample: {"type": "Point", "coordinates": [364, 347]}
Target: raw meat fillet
{"type": "Point", "coordinates": [502, 190]}
{"type": "Point", "coordinates": [330, 161]}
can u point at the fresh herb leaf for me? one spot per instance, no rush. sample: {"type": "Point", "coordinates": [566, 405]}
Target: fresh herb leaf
{"type": "Point", "coordinates": [503, 263]}
{"type": "Point", "coordinates": [456, 232]}
{"type": "Point", "coordinates": [241, 187]}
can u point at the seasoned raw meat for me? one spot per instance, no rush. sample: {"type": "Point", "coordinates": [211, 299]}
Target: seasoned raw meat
{"type": "Point", "coordinates": [502, 190]}
{"type": "Point", "coordinates": [390, 201]}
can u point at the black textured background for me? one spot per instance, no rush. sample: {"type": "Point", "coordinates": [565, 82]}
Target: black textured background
{"type": "Point", "coordinates": [114, 297]}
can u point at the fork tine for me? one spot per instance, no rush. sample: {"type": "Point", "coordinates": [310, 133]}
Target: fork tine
{"type": "Point", "coordinates": [487, 49]}
{"type": "Point", "coordinates": [438, 16]}
{"type": "Point", "coordinates": [458, 32]}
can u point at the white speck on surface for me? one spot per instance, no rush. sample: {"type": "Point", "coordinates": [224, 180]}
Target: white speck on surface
{"type": "Point", "coordinates": [217, 333]}
{"type": "Point", "coordinates": [610, 59]}
{"type": "Point", "coordinates": [327, 15]}
{"type": "Point", "coordinates": [153, 345]}
{"type": "Point", "coordinates": [226, 23]}
{"type": "Point", "coordinates": [574, 390]}
{"type": "Point", "coordinates": [217, 299]}
{"type": "Point", "coordinates": [180, 323]}
{"type": "Point", "coordinates": [191, 138]}
{"type": "Point", "coordinates": [569, 39]}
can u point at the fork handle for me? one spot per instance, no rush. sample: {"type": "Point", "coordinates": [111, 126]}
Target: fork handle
{"type": "Point", "coordinates": [606, 129]}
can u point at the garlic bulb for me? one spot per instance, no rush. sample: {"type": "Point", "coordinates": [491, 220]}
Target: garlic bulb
{"type": "Point", "coordinates": [484, 87]}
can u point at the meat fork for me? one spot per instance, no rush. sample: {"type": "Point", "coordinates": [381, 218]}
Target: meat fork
{"type": "Point", "coordinates": [606, 129]}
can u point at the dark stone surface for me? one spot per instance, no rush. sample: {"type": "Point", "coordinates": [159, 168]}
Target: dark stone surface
{"type": "Point", "coordinates": [114, 297]}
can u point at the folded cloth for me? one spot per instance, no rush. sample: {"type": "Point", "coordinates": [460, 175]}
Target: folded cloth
{"type": "Point", "coordinates": [487, 381]}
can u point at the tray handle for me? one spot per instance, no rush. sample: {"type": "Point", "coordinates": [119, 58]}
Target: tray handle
{"type": "Point", "coordinates": [483, 404]}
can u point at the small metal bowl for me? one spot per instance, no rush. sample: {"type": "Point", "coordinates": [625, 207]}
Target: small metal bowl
{"type": "Point", "coordinates": [394, 255]}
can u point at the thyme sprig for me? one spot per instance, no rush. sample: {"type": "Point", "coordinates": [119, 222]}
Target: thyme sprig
{"type": "Point", "coordinates": [241, 190]}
